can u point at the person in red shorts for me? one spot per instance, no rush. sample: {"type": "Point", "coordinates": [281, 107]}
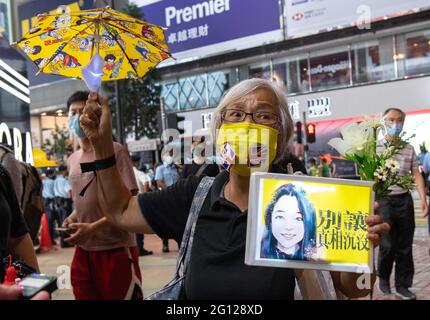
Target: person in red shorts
{"type": "Point", "coordinates": [105, 265]}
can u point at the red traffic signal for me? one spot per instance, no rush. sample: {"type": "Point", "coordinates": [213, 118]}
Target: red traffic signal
{"type": "Point", "coordinates": [310, 133]}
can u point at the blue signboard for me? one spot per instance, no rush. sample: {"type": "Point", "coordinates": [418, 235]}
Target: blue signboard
{"type": "Point", "coordinates": [27, 14]}
{"type": "Point", "coordinates": [194, 24]}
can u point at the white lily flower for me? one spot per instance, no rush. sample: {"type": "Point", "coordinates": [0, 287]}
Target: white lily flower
{"type": "Point", "coordinates": [355, 139]}
{"type": "Point", "coordinates": [375, 120]}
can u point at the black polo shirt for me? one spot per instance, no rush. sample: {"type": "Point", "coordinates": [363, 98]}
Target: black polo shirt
{"type": "Point", "coordinates": [217, 269]}
{"type": "Point", "coordinates": [12, 223]}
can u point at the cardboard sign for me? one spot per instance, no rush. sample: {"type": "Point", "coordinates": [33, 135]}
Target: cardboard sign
{"type": "Point", "coordinates": [309, 223]}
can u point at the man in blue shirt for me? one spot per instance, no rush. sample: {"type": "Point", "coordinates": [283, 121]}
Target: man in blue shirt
{"type": "Point", "coordinates": [426, 165]}
{"type": "Point", "coordinates": [48, 196]}
{"type": "Point", "coordinates": [63, 203]}
{"type": "Point", "coordinates": [166, 175]}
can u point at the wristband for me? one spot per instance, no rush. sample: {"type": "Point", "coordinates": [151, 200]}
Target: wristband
{"type": "Point", "coordinates": [96, 166]}
{"type": "Point", "coordinates": [105, 163]}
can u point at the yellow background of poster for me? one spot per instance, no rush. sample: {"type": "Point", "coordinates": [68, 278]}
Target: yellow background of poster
{"type": "Point", "coordinates": [335, 197]}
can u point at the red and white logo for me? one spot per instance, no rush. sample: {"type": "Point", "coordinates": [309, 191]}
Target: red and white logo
{"type": "Point", "coordinates": [298, 16]}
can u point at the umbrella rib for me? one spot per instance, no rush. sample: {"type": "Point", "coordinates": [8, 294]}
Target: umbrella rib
{"type": "Point", "coordinates": [74, 13]}
{"type": "Point", "coordinates": [56, 52]}
{"type": "Point", "coordinates": [141, 38]}
{"type": "Point", "coordinates": [45, 31]}
{"type": "Point", "coordinates": [122, 49]}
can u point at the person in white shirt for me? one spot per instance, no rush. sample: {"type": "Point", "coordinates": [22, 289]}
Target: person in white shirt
{"type": "Point", "coordinates": [143, 182]}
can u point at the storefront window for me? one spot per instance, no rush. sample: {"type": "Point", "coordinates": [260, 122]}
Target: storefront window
{"type": "Point", "coordinates": [196, 92]}
{"type": "Point", "coordinates": [260, 70]}
{"type": "Point", "coordinates": [417, 59]}
{"type": "Point", "coordinates": [169, 90]}
{"type": "Point", "coordinates": [372, 61]}
{"type": "Point", "coordinates": [292, 73]}
{"type": "Point", "coordinates": [330, 69]}
{"type": "Point", "coordinates": [192, 92]}
{"type": "Point", "coordinates": [217, 83]}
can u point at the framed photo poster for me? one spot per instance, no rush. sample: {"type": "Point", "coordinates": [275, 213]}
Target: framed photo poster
{"type": "Point", "coordinates": [309, 223]}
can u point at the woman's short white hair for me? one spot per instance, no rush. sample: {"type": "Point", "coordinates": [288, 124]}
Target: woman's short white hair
{"type": "Point", "coordinates": [244, 88]}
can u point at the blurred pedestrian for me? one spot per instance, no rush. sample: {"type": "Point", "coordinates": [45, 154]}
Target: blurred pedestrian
{"type": "Point", "coordinates": [143, 183]}
{"type": "Point", "coordinates": [63, 201]}
{"type": "Point", "coordinates": [398, 210]}
{"type": "Point", "coordinates": [426, 169]}
{"type": "Point", "coordinates": [165, 176]}
{"type": "Point", "coordinates": [324, 169]}
{"type": "Point", "coordinates": [313, 169]}
{"type": "Point", "coordinates": [105, 265]}
{"type": "Point", "coordinates": [200, 166]}
{"type": "Point", "coordinates": [422, 153]}
{"type": "Point", "coordinates": [48, 196]}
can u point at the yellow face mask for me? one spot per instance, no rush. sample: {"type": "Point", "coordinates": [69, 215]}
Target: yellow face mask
{"type": "Point", "coordinates": [246, 147]}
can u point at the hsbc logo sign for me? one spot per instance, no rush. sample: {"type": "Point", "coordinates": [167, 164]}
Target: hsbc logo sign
{"type": "Point", "coordinates": [298, 16]}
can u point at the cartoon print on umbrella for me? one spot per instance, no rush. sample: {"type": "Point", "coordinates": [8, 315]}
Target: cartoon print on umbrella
{"type": "Point", "coordinates": [66, 44]}
{"type": "Point", "coordinates": [142, 48]}
{"type": "Point", "coordinates": [116, 69]}
{"type": "Point", "coordinates": [54, 33]}
{"type": "Point", "coordinates": [81, 44]}
{"type": "Point", "coordinates": [31, 50]}
{"type": "Point", "coordinates": [62, 21]}
{"type": "Point", "coordinates": [63, 60]}
{"type": "Point", "coordinates": [110, 62]}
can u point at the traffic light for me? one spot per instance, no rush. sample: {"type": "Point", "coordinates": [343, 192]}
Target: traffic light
{"type": "Point", "coordinates": [310, 133]}
{"type": "Point", "coordinates": [299, 138]}
{"type": "Point", "coordinates": [173, 120]}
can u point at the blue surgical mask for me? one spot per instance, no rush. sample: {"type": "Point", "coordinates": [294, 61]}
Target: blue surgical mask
{"type": "Point", "coordinates": [394, 129]}
{"type": "Point", "coordinates": [75, 127]}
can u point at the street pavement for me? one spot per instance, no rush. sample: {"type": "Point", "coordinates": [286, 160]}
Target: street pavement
{"type": "Point", "coordinates": [157, 269]}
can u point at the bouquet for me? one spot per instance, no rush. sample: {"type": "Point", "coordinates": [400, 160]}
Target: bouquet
{"type": "Point", "coordinates": [359, 144]}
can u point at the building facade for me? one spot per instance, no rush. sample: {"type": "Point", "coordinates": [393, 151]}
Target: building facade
{"type": "Point", "coordinates": [335, 62]}
{"type": "Point", "coordinates": [14, 91]}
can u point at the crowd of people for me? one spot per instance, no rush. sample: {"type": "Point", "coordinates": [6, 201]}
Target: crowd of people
{"type": "Point", "coordinates": [107, 199]}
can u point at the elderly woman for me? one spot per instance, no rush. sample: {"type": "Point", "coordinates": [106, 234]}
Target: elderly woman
{"type": "Point", "coordinates": [217, 269]}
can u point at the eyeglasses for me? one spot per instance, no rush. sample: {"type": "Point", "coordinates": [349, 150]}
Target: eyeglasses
{"type": "Point", "coordinates": [261, 117]}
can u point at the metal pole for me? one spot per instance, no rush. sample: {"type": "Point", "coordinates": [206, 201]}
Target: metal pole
{"type": "Point", "coordinates": [305, 139]}
{"type": "Point", "coordinates": [163, 115]}
{"type": "Point", "coordinates": [119, 115]}
{"type": "Point", "coordinates": [164, 139]}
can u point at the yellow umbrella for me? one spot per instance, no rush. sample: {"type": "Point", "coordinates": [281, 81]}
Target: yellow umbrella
{"type": "Point", "coordinates": [41, 160]}
{"type": "Point", "coordinates": [94, 44]}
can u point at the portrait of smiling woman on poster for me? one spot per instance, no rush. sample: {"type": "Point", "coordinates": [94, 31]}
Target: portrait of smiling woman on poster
{"type": "Point", "coordinates": [290, 226]}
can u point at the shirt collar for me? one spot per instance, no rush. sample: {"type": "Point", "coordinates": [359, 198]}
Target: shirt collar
{"type": "Point", "coordinates": [217, 190]}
